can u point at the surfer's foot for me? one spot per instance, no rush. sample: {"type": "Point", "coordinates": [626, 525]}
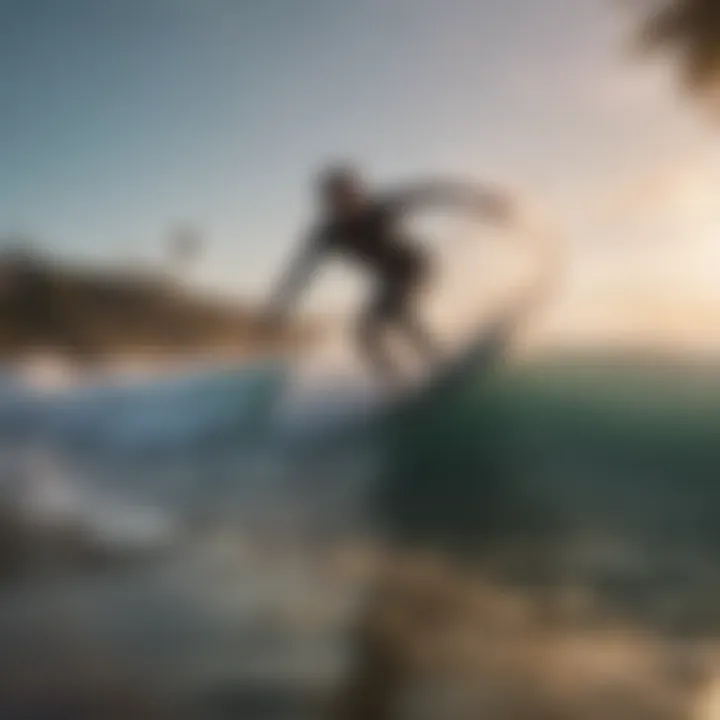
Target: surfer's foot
{"type": "Point", "coordinates": [386, 374]}
{"type": "Point", "coordinates": [423, 344]}
{"type": "Point", "coordinates": [375, 353]}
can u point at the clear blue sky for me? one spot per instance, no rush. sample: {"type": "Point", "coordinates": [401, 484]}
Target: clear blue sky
{"type": "Point", "coordinates": [120, 118]}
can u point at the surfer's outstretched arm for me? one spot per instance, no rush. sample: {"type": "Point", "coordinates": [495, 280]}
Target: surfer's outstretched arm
{"type": "Point", "coordinates": [296, 277]}
{"type": "Point", "coordinates": [489, 202]}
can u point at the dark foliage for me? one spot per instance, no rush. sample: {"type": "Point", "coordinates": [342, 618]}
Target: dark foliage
{"type": "Point", "coordinates": [690, 28]}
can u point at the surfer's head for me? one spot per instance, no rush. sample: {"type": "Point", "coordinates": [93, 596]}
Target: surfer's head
{"type": "Point", "coordinates": [342, 190]}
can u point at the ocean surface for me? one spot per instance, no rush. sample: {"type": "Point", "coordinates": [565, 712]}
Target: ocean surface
{"type": "Point", "coordinates": [199, 542]}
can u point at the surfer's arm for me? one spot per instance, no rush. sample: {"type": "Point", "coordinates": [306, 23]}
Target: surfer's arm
{"type": "Point", "coordinates": [296, 276]}
{"type": "Point", "coordinates": [490, 203]}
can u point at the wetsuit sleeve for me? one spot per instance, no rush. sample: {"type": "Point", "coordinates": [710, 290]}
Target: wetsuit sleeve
{"type": "Point", "coordinates": [489, 202]}
{"type": "Point", "coordinates": [299, 272]}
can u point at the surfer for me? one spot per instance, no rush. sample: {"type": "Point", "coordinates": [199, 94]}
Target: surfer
{"type": "Point", "coordinates": [368, 228]}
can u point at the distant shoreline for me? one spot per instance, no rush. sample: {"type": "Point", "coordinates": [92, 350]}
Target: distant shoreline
{"type": "Point", "coordinates": [91, 319]}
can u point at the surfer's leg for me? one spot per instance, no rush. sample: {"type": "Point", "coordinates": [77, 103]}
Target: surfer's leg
{"type": "Point", "coordinates": [370, 341]}
{"type": "Point", "coordinates": [422, 340]}
{"type": "Point", "coordinates": [372, 328]}
{"type": "Point", "coordinates": [401, 310]}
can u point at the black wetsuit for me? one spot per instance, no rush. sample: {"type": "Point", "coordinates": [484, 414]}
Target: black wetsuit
{"type": "Point", "coordinates": [375, 240]}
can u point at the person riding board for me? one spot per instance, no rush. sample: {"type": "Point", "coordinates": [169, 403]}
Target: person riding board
{"type": "Point", "coordinates": [368, 228]}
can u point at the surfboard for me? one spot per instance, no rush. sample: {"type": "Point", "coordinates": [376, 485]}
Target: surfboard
{"type": "Point", "coordinates": [486, 348]}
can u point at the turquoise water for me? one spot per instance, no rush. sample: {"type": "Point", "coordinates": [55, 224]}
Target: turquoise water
{"type": "Point", "coordinates": [602, 473]}
{"type": "Point", "coordinates": [614, 447]}
{"type": "Point", "coordinates": [563, 450]}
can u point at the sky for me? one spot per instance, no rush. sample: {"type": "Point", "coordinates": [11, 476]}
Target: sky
{"type": "Point", "coordinates": [124, 119]}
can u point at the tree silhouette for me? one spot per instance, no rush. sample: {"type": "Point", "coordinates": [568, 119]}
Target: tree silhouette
{"type": "Point", "coordinates": [691, 29]}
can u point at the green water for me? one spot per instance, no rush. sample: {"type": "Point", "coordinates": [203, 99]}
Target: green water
{"type": "Point", "coordinates": [610, 447]}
